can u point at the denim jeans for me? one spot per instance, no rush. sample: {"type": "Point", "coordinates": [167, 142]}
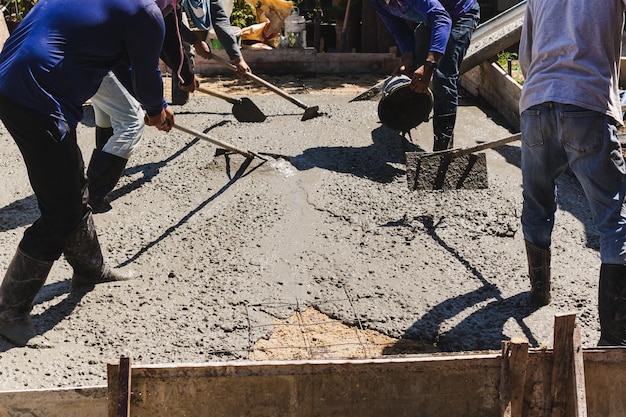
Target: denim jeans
{"type": "Point", "coordinates": [445, 91]}
{"type": "Point", "coordinates": [115, 107]}
{"type": "Point", "coordinates": [555, 136]}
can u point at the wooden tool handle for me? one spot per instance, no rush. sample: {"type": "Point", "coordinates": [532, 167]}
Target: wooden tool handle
{"type": "Point", "coordinates": [487, 145]}
{"type": "Point", "coordinates": [230, 99]}
{"type": "Point", "coordinates": [224, 145]}
{"type": "Point", "coordinates": [261, 81]}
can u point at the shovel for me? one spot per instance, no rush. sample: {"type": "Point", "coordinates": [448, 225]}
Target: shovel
{"type": "Point", "coordinates": [371, 92]}
{"type": "Point", "coordinates": [225, 145]}
{"type": "Point", "coordinates": [309, 112]}
{"type": "Point", "coordinates": [451, 168]}
{"type": "Point", "coordinates": [244, 109]}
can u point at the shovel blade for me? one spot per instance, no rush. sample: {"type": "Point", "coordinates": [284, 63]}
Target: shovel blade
{"type": "Point", "coordinates": [371, 92]}
{"type": "Point", "coordinates": [310, 113]}
{"type": "Point", "coordinates": [444, 172]}
{"type": "Point", "coordinates": [246, 111]}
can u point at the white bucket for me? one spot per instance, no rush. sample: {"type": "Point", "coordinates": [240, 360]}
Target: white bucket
{"type": "Point", "coordinates": [295, 30]}
{"type": "Point", "coordinates": [216, 44]}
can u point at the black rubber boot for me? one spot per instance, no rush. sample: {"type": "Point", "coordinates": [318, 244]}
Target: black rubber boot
{"type": "Point", "coordinates": [179, 96]}
{"type": "Point", "coordinates": [612, 305]}
{"type": "Point", "coordinates": [443, 129]}
{"type": "Point", "coordinates": [82, 251]}
{"type": "Point", "coordinates": [23, 280]}
{"type": "Point", "coordinates": [539, 273]}
{"type": "Point", "coordinates": [103, 173]}
{"type": "Point", "coordinates": [103, 134]}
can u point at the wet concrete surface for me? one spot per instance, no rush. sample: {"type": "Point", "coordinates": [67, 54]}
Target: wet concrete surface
{"type": "Point", "coordinates": [225, 246]}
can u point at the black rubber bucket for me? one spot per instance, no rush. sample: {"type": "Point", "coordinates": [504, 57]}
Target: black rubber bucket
{"type": "Point", "coordinates": [402, 109]}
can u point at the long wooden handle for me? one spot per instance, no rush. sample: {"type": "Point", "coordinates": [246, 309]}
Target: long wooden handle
{"type": "Point", "coordinates": [230, 99]}
{"type": "Point", "coordinates": [261, 81]}
{"type": "Point", "coordinates": [487, 145]}
{"type": "Point", "coordinates": [225, 145]}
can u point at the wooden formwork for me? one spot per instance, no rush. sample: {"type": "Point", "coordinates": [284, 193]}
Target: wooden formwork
{"type": "Point", "coordinates": [515, 382]}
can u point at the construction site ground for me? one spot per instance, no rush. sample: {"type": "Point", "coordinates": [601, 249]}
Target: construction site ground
{"type": "Point", "coordinates": [322, 252]}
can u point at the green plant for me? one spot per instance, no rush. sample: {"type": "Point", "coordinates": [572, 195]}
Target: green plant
{"type": "Point", "coordinates": [504, 57]}
{"type": "Point", "coordinates": [514, 70]}
{"type": "Point", "coordinates": [243, 14]}
{"type": "Point", "coordinates": [17, 9]}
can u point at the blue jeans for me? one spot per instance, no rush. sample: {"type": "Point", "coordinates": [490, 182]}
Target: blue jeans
{"type": "Point", "coordinates": [115, 107]}
{"type": "Point", "coordinates": [445, 91]}
{"type": "Point", "coordinates": [555, 136]}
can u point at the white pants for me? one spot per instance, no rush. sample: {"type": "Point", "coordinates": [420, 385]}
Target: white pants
{"type": "Point", "coordinates": [115, 107]}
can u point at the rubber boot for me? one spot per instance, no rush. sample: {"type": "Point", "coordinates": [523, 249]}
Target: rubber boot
{"type": "Point", "coordinates": [612, 305]}
{"type": "Point", "coordinates": [539, 273]}
{"type": "Point", "coordinates": [443, 129]}
{"type": "Point", "coordinates": [179, 96]}
{"type": "Point", "coordinates": [22, 281]}
{"type": "Point", "coordinates": [82, 251]}
{"type": "Point", "coordinates": [103, 173]}
{"type": "Point", "coordinates": [103, 134]}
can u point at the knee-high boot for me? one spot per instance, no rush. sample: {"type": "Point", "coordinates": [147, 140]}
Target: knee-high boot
{"type": "Point", "coordinates": [443, 129]}
{"type": "Point", "coordinates": [539, 273]}
{"type": "Point", "coordinates": [82, 251]}
{"type": "Point", "coordinates": [103, 134]}
{"type": "Point", "coordinates": [612, 305]}
{"type": "Point", "coordinates": [103, 173]}
{"type": "Point", "coordinates": [22, 281]}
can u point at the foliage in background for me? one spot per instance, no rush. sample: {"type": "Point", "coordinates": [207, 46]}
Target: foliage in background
{"type": "Point", "coordinates": [15, 10]}
{"type": "Point", "coordinates": [243, 15]}
{"type": "Point", "coordinates": [515, 71]}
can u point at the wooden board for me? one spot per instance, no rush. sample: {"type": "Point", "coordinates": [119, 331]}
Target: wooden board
{"type": "Point", "coordinates": [304, 61]}
{"type": "Point", "coordinates": [440, 385]}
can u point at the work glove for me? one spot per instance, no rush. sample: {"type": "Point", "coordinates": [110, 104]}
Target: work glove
{"type": "Point", "coordinates": [163, 121]}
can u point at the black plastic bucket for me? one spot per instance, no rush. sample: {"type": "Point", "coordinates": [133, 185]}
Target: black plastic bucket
{"type": "Point", "coordinates": [402, 109]}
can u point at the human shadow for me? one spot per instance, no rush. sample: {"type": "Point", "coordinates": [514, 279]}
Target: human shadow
{"type": "Point", "coordinates": [19, 213]}
{"type": "Point", "coordinates": [48, 319]}
{"type": "Point", "coordinates": [371, 162]}
{"type": "Point", "coordinates": [483, 329]}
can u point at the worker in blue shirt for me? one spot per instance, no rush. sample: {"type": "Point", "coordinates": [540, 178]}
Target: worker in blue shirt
{"type": "Point", "coordinates": [50, 65]}
{"type": "Point", "coordinates": [433, 37]}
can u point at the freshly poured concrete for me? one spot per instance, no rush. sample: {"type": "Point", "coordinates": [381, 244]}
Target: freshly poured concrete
{"type": "Point", "coordinates": [227, 248]}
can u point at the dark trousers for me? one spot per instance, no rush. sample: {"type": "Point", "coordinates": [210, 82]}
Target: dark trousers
{"type": "Point", "coordinates": [445, 91]}
{"type": "Point", "coordinates": [57, 175]}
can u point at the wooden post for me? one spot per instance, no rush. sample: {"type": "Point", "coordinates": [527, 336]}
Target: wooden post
{"type": "Point", "coordinates": [118, 383]}
{"type": "Point", "coordinates": [513, 377]}
{"type": "Point", "coordinates": [568, 375]}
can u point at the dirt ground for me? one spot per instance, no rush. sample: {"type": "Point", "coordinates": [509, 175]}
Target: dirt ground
{"type": "Point", "coordinates": [321, 252]}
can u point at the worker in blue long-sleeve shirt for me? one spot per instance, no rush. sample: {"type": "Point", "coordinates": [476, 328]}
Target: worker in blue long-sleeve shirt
{"type": "Point", "coordinates": [50, 65]}
{"type": "Point", "coordinates": [433, 37]}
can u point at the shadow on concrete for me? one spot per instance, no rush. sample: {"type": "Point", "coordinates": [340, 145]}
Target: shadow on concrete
{"type": "Point", "coordinates": [22, 212]}
{"type": "Point", "coordinates": [372, 162]}
{"type": "Point", "coordinates": [49, 318]}
{"type": "Point", "coordinates": [487, 322]}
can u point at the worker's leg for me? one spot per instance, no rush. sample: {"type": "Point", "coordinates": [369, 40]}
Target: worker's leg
{"type": "Point", "coordinates": [445, 90]}
{"type": "Point", "coordinates": [120, 115]}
